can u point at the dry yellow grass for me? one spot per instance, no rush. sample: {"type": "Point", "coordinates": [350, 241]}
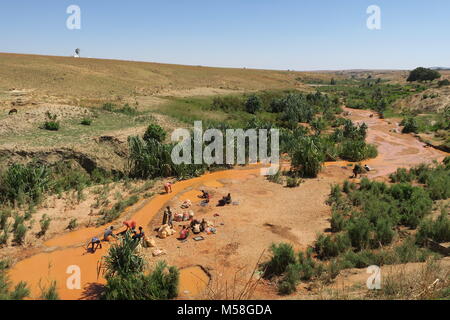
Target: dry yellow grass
{"type": "Point", "coordinates": [95, 78]}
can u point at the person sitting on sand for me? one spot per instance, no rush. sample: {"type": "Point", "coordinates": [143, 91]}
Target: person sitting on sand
{"type": "Point", "coordinates": [95, 244]}
{"type": "Point", "coordinates": [196, 226]}
{"type": "Point", "coordinates": [368, 169]}
{"type": "Point", "coordinates": [184, 233]}
{"type": "Point", "coordinates": [228, 199]}
{"type": "Point", "coordinates": [205, 195]}
{"type": "Point", "coordinates": [108, 233]}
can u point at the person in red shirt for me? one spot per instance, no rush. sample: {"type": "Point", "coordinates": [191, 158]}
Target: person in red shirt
{"type": "Point", "coordinates": [130, 225]}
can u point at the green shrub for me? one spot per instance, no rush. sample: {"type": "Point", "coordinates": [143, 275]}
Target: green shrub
{"type": "Point", "coordinates": [253, 104]}
{"type": "Point", "coordinates": [327, 246]}
{"type": "Point", "coordinates": [158, 285]}
{"type": "Point", "coordinates": [24, 184]}
{"type": "Point", "coordinates": [423, 74]}
{"type": "Point", "coordinates": [402, 175]}
{"type": "Point", "coordinates": [50, 292]}
{"type": "Point", "coordinates": [357, 150]}
{"type": "Point", "coordinates": [443, 83]}
{"type": "Point", "coordinates": [19, 292]}
{"type": "Point", "coordinates": [4, 216]}
{"type": "Point", "coordinates": [122, 259]}
{"type": "Point", "coordinates": [19, 234]}
{"type": "Point", "coordinates": [338, 221]}
{"type": "Point", "coordinates": [307, 158]}
{"type": "Point", "coordinates": [359, 232]}
{"type": "Point", "coordinates": [282, 256]}
{"type": "Point", "coordinates": [437, 230]}
{"type": "Point", "coordinates": [348, 187]}
{"type": "Point", "coordinates": [384, 233]}
{"type": "Point", "coordinates": [293, 182]}
{"type": "Point", "coordinates": [51, 125]}
{"type": "Point", "coordinates": [86, 122]}
{"type": "Point", "coordinates": [45, 224]}
{"type": "Point", "coordinates": [155, 132]}
{"type": "Point", "coordinates": [410, 125]}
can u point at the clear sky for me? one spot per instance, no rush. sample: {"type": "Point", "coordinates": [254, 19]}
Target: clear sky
{"type": "Point", "coordinates": [272, 34]}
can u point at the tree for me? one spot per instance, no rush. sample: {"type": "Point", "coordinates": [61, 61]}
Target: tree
{"type": "Point", "coordinates": [410, 125]}
{"type": "Point", "coordinates": [155, 132]}
{"type": "Point", "coordinates": [423, 74]}
{"type": "Point", "coordinates": [308, 158]}
{"type": "Point", "coordinates": [253, 104]}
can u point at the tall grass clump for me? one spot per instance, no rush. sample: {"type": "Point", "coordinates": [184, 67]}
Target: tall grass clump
{"type": "Point", "coordinates": [126, 279]}
{"type": "Point", "coordinates": [282, 256]}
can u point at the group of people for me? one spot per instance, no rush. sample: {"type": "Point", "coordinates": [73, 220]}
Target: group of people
{"type": "Point", "coordinates": [196, 227]}
{"type": "Point", "coordinates": [358, 170]}
{"type": "Point", "coordinates": [130, 226]}
{"type": "Point", "coordinates": [225, 200]}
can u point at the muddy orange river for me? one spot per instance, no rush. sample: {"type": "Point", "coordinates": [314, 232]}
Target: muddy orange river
{"type": "Point", "coordinates": [59, 254]}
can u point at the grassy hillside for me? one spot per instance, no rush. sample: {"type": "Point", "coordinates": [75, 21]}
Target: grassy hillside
{"type": "Point", "coordinates": [106, 78]}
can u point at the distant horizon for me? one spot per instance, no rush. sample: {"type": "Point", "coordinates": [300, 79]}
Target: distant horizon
{"type": "Point", "coordinates": [303, 35]}
{"type": "Point", "coordinates": [221, 67]}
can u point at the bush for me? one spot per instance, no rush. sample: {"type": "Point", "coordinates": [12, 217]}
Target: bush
{"type": "Point", "coordinates": [423, 74]}
{"type": "Point", "coordinates": [402, 175]}
{"type": "Point", "coordinates": [357, 150]}
{"type": "Point", "coordinates": [437, 230]}
{"type": "Point", "coordinates": [51, 125]}
{"type": "Point", "coordinates": [282, 256]}
{"type": "Point", "coordinates": [23, 184]}
{"type": "Point", "coordinates": [359, 232]}
{"type": "Point", "coordinates": [19, 292]}
{"type": "Point", "coordinates": [122, 259]}
{"type": "Point", "coordinates": [86, 122]}
{"type": "Point", "coordinates": [444, 83]}
{"type": "Point", "coordinates": [293, 182]}
{"type": "Point", "coordinates": [409, 125]}
{"type": "Point", "coordinates": [228, 103]}
{"type": "Point", "coordinates": [338, 221]}
{"type": "Point", "coordinates": [155, 132]}
{"type": "Point", "coordinates": [327, 246]}
{"type": "Point", "coordinates": [45, 224]}
{"type": "Point", "coordinates": [253, 104]}
{"type": "Point", "coordinates": [50, 293]}
{"type": "Point", "coordinates": [158, 285]}
{"type": "Point", "coordinates": [307, 158]}
{"type": "Point", "coordinates": [19, 234]}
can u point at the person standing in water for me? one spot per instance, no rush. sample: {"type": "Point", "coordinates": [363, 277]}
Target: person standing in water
{"type": "Point", "coordinates": [166, 215]}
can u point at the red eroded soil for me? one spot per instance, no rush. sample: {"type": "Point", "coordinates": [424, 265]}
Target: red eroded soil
{"type": "Point", "coordinates": [266, 213]}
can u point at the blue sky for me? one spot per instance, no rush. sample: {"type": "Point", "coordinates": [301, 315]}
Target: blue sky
{"type": "Point", "coordinates": [272, 34]}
